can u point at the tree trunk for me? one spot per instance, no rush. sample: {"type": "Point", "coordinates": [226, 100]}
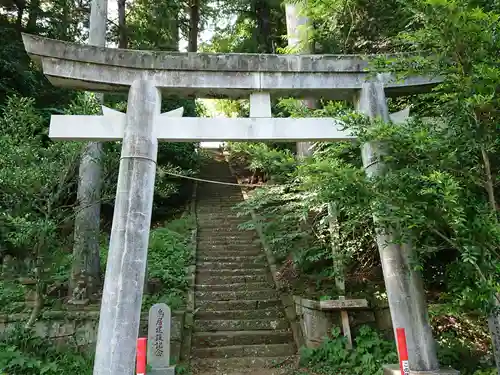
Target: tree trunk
{"type": "Point", "coordinates": [263, 15]}
{"type": "Point", "coordinates": [194, 25]}
{"type": "Point", "coordinates": [297, 35]}
{"type": "Point", "coordinates": [65, 21]}
{"type": "Point", "coordinates": [122, 25]}
{"type": "Point", "coordinates": [34, 12]}
{"type": "Point", "coordinates": [21, 5]}
{"type": "Point", "coordinates": [86, 261]}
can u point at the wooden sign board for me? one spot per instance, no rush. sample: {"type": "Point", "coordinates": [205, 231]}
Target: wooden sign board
{"type": "Point", "coordinates": [341, 304]}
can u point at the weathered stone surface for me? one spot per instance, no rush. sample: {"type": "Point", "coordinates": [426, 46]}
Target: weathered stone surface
{"type": "Point", "coordinates": [159, 324]}
{"type": "Point", "coordinates": [126, 265]}
{"type": "Point", "coordinates": [235, 286]}
{"type": "Point", "coordinates": [404, 285]}
{"type": "Point", "coordinates": [214, 251]}
{"type": "Point", "coordinates": [207, 278]}
{"type": "Point", "coordinates": [228, 338]}
{"type": "Point", "coordinates": [206, 271]}
{"type": "Point", "coordinates": [246, 259]}
{"type": "Point", "coordinates": [239, 295]}
{"type": "Point", "coordinates": [233, 265]}
{"type": "Point", "coordinates": [316, 324]}
{"type": "Point", "coordinates": [262, 350]}
{"type": "Point", "coordinates": [240, 325]}
{"type": "Point", "coordinates": [79, 326]}
{"type": "Point", "coordinates": [208, 75]}
{"type": "Point", "coordinates": [227, 364]}
{"type": "Point", "coordinates": [237, 305]}
{"type": "Point", "coordinates": [241, 314]}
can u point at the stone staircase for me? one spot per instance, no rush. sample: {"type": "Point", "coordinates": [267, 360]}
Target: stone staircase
{"type": "Point", "coordinates": [239, 325]}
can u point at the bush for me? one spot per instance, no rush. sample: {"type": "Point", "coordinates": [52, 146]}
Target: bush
{"type": "Point", "coordinates": [23, 353]}
{"type": "Point", "coordinates": [169, 255]}
{"type": "Point", "coordinates": [367, 357]}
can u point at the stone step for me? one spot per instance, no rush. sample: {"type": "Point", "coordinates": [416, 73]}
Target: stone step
{"type": "Point", "coordinates": [222, 243]}
{"type": "Point", "coordinates": [221, 217]}
{"type": "Point", "coordinates": [231, 271]}
{"type": "Point", "coordinates": [231, 231]}
{"type": "Point", "coordinates": [210, 227]}
{"type": "Point", "coordinates": [250, 266]}
{"type": "Point", "coordinates": [222, 365]}
{"type": "Point", "coordinates": [234, 231]}
{"type": "Point", "coordinates": [212, 222]}
{"type": "Point", "coordinates": [262, 350]}
{"type": "Point", "coordinates": [217, 239]}
{"type": "Point", "coordinates": [261, 258]}
{"type": "Point", "coordinates": [227, 237]}
{"type": "Point", "coordinates": [207, 207]}
{"type": "Point", "coordinates": [274, 313]}
{"type": "Point", "coordinates": [226, 295]}
{"type": "Point", "coordinates": [207, 278]}
{"type": "Point", "coordinates": [212, 200]}
{"type": "Point", "coordinates": [240, 325]}
{"type": "Point", "coordinates": [207, 305]}
{"type": "Point", "coordinates": [228, 338]}
{"type": "Point", "coordinates": [257, 252]}
{"type": "Point", "coordinates": [235, 286]}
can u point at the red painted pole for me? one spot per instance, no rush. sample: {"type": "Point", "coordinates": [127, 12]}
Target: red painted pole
{"type": "Point", "coordinates": [403, 351]}
{"type": "Point", "coordinates": [141, 356]}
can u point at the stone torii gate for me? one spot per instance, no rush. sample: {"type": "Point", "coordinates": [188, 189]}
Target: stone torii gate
{"type": "Point", "coordinates": [146, 75]}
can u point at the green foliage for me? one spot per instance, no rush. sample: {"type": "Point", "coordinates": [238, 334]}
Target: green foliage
{"type": "Point", "coordinates": [264, 159]}
{"type": "Point", "coordinates": [254, 26]}
{"type": "Point", "coordinates": [488, 371]}
{"type": "Point", "coordinates": [36, 180]}
{"type": "Point", "coordinates": [23, 353]}
{"type": "Point", "coordinates": [10, 295]}
{"type": "Point", "coordinates": [170, 252]}
{"type": "Point", "coordinates": [462, 337]}
{"type": "Point", "coordinates": [332, 356]}
{"type": "Point", "coordinates": [19, 77]}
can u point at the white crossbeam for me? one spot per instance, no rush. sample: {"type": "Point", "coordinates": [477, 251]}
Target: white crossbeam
{"type": "Point", "coordinates": [110, 127]}
{"type": "Point", "coordinates": [192, 129]}
{"type": "Point", "coordinates": [106, 127]}
{"type": "Point", "coordinates": [253, 129]}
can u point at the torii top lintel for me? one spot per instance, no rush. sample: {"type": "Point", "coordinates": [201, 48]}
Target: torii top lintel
{"type": "Point", "coordinates": [210, 74]}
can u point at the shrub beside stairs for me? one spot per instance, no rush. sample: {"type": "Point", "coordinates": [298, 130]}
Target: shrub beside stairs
{"type": "Point", "coordinates": [239, 324]}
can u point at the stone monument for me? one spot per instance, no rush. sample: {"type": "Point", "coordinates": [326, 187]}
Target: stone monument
{"type": "Point", "coordinates": [159, 326]}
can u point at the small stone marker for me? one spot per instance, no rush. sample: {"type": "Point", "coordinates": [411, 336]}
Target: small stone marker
{"type": "Point", "coordinates": [160, 320]}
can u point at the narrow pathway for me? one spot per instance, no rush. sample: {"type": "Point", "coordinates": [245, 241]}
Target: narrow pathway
{"type": "Point", "coordinates": [239, 326]}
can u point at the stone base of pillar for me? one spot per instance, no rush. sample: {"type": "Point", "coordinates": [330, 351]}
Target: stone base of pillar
{"type": "Point", "coordinates": [162, 371]}
{"type": "Point", "coordinates": [395, 370]}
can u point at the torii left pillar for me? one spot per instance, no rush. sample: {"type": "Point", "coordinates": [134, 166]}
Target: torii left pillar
{"type": "Point", "coordinates": [126, 265]}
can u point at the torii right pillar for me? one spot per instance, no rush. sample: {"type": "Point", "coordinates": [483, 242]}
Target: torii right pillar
{"type": "Point", "coordinates": [404, 286]}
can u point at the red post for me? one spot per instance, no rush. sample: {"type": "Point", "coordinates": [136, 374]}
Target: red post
{"type": "Point", "coordinates": [403, 351]}
{"type": "Point", "coordinates": [141, 356]}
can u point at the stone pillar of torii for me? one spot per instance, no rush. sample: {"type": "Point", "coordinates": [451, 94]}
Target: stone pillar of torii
{"type": "Point", "coordinates": [146, 75]}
